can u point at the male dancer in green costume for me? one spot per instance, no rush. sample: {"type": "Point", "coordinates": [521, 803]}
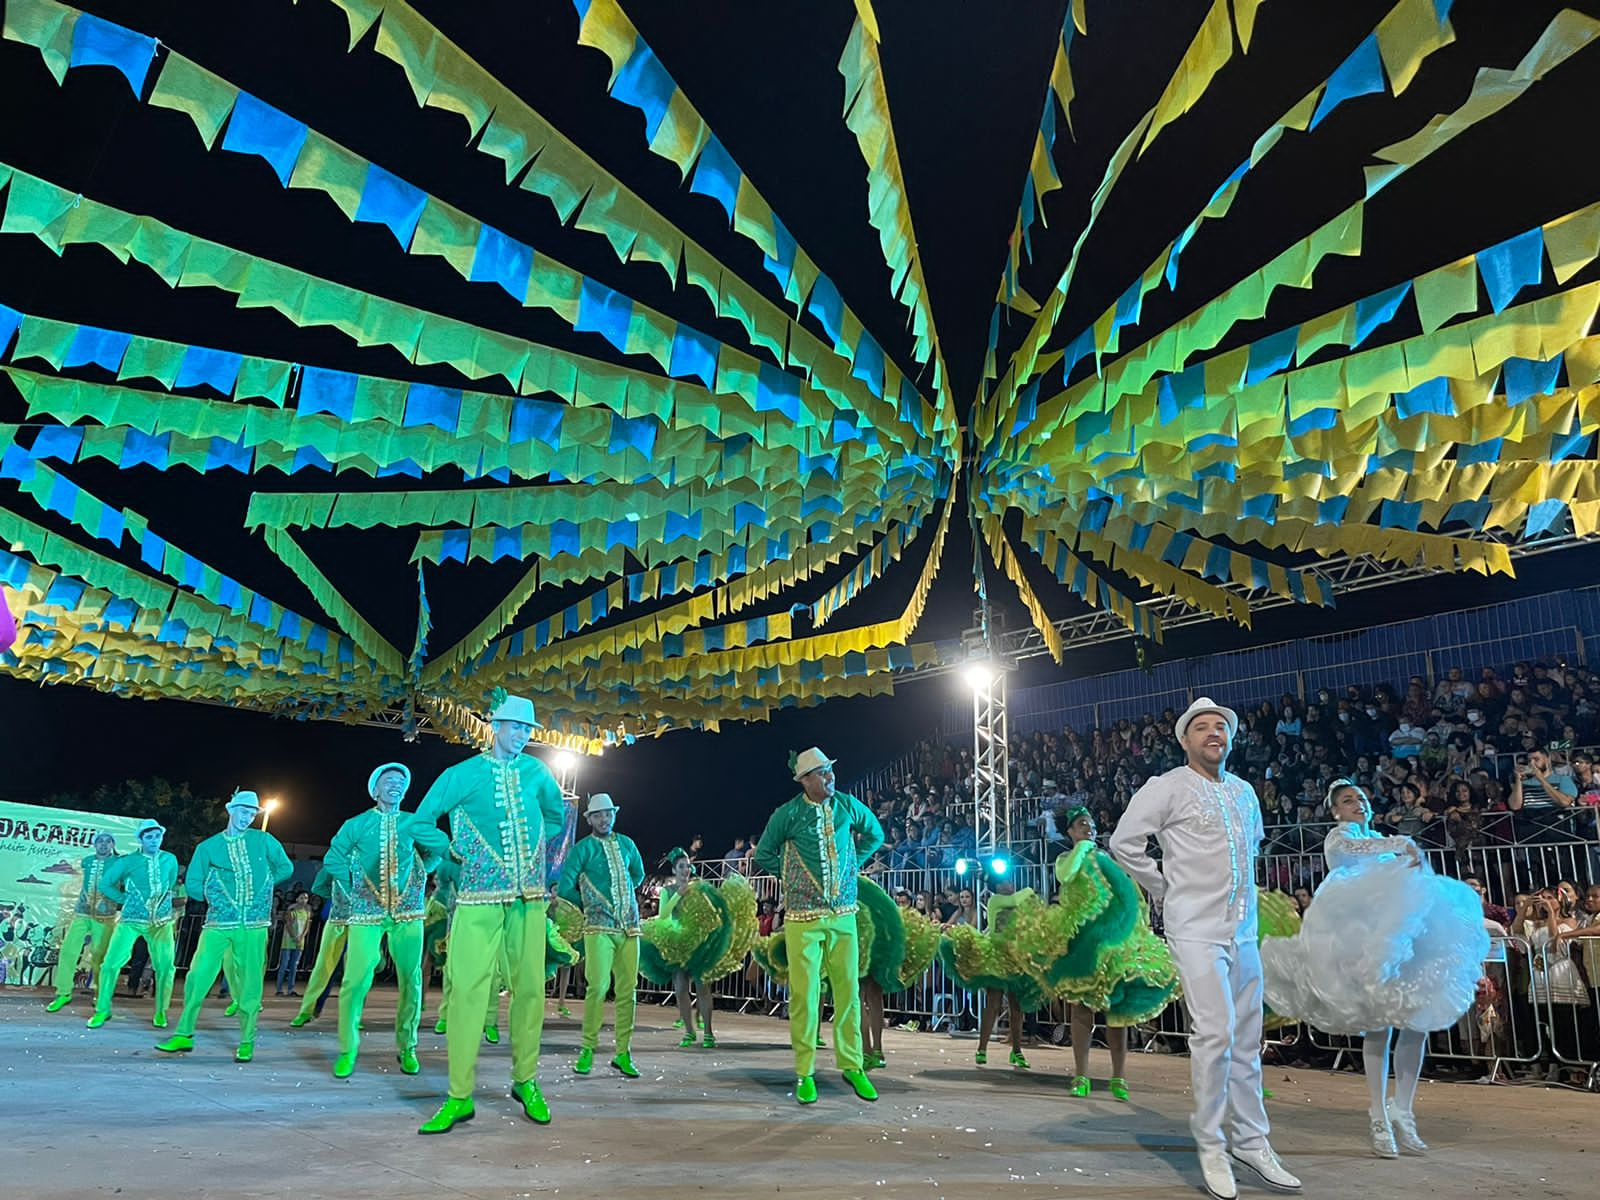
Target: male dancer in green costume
{"type": "Point", "coordinates": [502, 806]}
{"type": "Point", "coordinates": [602, 875]}
{"type": "Point", "coordinates": [234, 872]}
{"type": "Point", "coordinates": [815, 843]}
{"type": "Point", "coordinates": [92, 920]}
{"type": "Point", "coordinates": [335, 932]}
{"type": "Point", "coordinates": [143, 884]}
{"type": "Point", "coordinates": [383, 858]}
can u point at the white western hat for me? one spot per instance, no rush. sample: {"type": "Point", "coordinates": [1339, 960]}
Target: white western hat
{"type": "Point", "coordinates": [243, 800]}
{"type": "Point", "coordinates": [516, 708]}
{"type": "Point", "coordinates": [372, 780]}
{"type": "Point", "coordinates": [1205, 704]}
{"type": "Point", "coordinates": [810, 760]}
{"type": "Point", "coordinates": [146, 826]}
{"type": "Point", "coordinates": [599, 802]}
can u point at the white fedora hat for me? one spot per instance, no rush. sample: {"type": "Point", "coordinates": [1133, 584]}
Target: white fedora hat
{"type": "Point", "coordinates": [516, 708]}
{"type": "Point", "coordinates": [372, 780]}
{"type": "Point", "coordinates": [810, 760]}
{"type": "Point", "coordinates": [599, 802]}
{"type": "Point", "coordinates": [146, 826]}
{"type": "Point", "coordinates": [1205, 704]}
{"type": "Point", "coordinates": [243, 800]}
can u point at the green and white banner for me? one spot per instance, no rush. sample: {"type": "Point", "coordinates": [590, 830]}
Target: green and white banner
{"type": "Point", "coordinates": [41, 852]}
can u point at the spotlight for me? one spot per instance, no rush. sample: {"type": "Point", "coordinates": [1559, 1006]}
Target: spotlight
{"type": "Point", "coordinates": [979, 675]}
{"type": "Point", "coordinates": [566, 760]}
{"type": "Point", "coordinates": [999, 866]}
{"type": "Point", "coordinates": [962, 867]}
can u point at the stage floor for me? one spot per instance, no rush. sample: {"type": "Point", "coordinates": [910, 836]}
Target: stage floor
{"type": "Point", "coordinates": [99, 1112]}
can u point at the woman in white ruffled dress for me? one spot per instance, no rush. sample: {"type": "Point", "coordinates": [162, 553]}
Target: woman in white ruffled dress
{"type": "Point", "coordinates": [1389, 950]}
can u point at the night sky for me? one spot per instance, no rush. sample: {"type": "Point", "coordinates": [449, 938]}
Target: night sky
{"type": "Point", "coordinates": [966, 84]}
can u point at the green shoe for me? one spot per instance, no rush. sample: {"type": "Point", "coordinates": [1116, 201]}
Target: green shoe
{"type": "Point", "coordinates": [408, 1062]}
{"type": "Point", "coordinates": [805, 1089]}
{"type": "Point", "coordinates": [624, 1063]}
{"type": "Point", "coordinates": [491, 1034]}
{"type": "Point", "coordinates": [438, 1026]}
{"type": "Point", "coordinates": [450, 1114]}
{"type": "Point", "coordinates": [875, 1062]}
{"type": "Point", "coordinates": [821, 1045]}
{"type": "Point", "coordinates": [1118, 1088]}
{"type": "Point", "coordinates": [563, 1011]}
{"type": "Point", "coordinates": [58, 1004]}
{"type": "Point", "coordinates": [1079, 1086]}
{"type": "Point", "coordinates": [678, 1024]}
{"type": "Point", "coordinates": [1265, 1094]}
{"type": "Point", "coordinates": [301, 1019]}
{"type": "Point", "coordinates": [98, 1020]}
{"type": "Point", "coordinates": [231, 1009]}
{"type": "Point", "coordinates": [177, 1044]}
{"type": "Point", "coordinates": [981, 1058]}
{"type": "Point", "coordinates": [1018, 1061]}
{"type": "Point", "coordinates": [245, 1052]}
{"type": "Point", "coordinates": [686, 1041]}
{"type": "Point", "coordinates": [159, 1021]}
{"type": "Point", "coordinates": [710, 1043]}
{"type": "Point", "coordinates": [585, 1061]}
{"type": "Point", "coordinates": [862, 1085]}
{"type": "Point", "coordinates": [343, 1065]}
{"type": "Point", "coordinates": [532, 1101]}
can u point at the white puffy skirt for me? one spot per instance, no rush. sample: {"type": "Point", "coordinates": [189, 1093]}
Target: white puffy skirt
{"type": "Point", "coordinates": [1383, 945]}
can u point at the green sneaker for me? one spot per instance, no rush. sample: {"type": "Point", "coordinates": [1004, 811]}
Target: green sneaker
{"type": "Point", "coordinates": [491, 1034]}
{"type": "Point", "coordinates": [1079, 1086]}
{"type": "Point", "coordinates": [624, 1063]}
{"type": "Point", "coordinates": [862, 1085]}
{"type": "Point", "coordinates": [450, 1114]}
{"type": "Point", "coordinates": [303, 1018]}
{"type": "Point", "coordinates": [1118, 1088]}
{"type": "Point", "coordinates": [805, 1089]}
{"type": "Point", "coordinates": [177, 1044]}
{"type": "Point", "coordinates": [532, 1101]}
{"type": "Point", "coordinates": [874, 1062]}
{"type": "Point", "coordinates": [99, 1019]}
{"type": "Point", "coordinates": [981, 1058]}
{"type": "Point", "coordinates": [709, 1043]}
{"type": "Point", "coordinates": [408, 1062]}
{"type": "Point", "coordinates": [585, 1061]}
{"type": "Point", "coordinates": [245, 1052]}
{"type": "Point", "coordinates": [232, 1009]}
{"type": "Point", "coordinates": [686, 1040]}
{"type": "Point", "coordinates": [343, 1065]}
{"type": "Point", "coordinates": [159, 1020]}
{"type": "Point", "coordinates": [58, 1004]}
{"type": "Point", "coordinates": [438, 1026]}
{"type": "Point", "coordinates": [1018, 1061]}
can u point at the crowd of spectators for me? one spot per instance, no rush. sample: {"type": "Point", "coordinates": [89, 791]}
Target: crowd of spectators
{"type": "Point", "coordinates": [1451, 762]}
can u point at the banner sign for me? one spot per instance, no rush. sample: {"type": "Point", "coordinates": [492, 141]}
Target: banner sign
{"type": "Point", "coordinates": [41, 852]}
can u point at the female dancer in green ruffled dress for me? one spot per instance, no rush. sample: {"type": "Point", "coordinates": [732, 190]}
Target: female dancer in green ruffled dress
{"type": "Point", "coordinates": [700, 934]}
{"type": "Point", "coordinates": [1094, 948]}
{"type": "Point", "coordinates": [983, 962]}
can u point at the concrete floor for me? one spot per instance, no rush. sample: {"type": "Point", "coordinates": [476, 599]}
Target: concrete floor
{"type": "Point", "coordinates": [98, 1113]}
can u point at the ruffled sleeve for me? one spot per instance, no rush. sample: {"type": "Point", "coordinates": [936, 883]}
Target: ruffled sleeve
{"type": "Point", "coordinates": [1344, 845]}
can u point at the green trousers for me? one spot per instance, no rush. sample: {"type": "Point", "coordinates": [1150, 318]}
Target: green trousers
{"type": "Point", "coordinates": [361, 963]}
{"type": "Point", "coordinates": [479, 934]}
{"type": "Point", "coordinates": [328, 952]}
{"type": "Point", "coordinates": [491, 1011]}
{"type": "Point", "coordinates": [249, 948]}
{"type": "Point", "coordinates": [158, 940]}
{"type": "Point", "coordinates": [609, 959]}
{"type": "Point", "coordinates": [824, 943]}
{"type": "Point", "coordinates": [98, 935]}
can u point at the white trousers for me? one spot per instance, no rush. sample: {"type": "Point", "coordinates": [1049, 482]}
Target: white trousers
{"type": "Point", "coordinates": [1222, 988]}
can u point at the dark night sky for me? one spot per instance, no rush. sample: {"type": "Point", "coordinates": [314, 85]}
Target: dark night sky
{"type": "Point", "coordinates": [966, 82]}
